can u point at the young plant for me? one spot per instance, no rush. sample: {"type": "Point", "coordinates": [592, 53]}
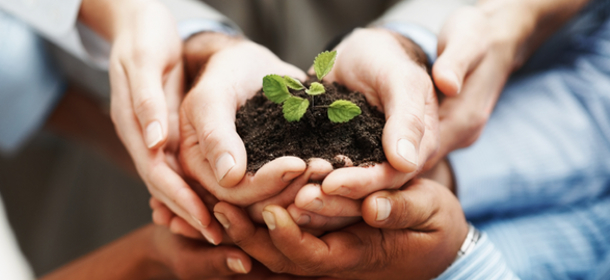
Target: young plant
{"type": "Point", "coordinates": [276, 87]}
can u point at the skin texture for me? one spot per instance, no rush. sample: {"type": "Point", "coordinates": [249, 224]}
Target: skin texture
{"type": "Point", "coordinates": [479, 47]}
{"type": "Point", "coordinates": [152, 252]}
{"type": "Point", "coordinates": [146, 77]}
{"type": "Point", "coordinates": [418, 240]}
{"type": "Point", "coordinates": [483, 60]}
{"type": "Point", "coordinates": [477, 74]}
{"type": "Point", "coordinates": [207, 120]}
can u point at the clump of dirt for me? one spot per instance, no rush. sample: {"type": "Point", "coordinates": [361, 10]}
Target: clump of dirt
{"type": "Point", "coordinates": [267, 135]}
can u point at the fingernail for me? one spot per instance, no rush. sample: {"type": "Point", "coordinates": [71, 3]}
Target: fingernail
{"type": "Point", "coordinates": [236, 265]}
{"type": "Point", "coordinates": [407, 150]}
{"type": "Point", "coordinates": [315, 205]}
{"type": "Point", "coordinates": [222, 219]}
{"type": "Point", "coordinates": [208, 237]}
{"type": "Point", "coordinates": [454, 79]}
{"type": "Point", "coordinates": [223, 165]}
{"type": "Point", "coordinates": [269, 219]}
{"type": "Point", "coordinates": [343, 191]}
{"type": "Point", "coordinates": [303, 220]}
{"type": "Point", "coordinates": [384, 207]}
{"type": "Point", "coordinates": [198, 222]}
{"type": "Point", "coordinates": [288, 176]}
{"type": "Point", "coordinates": [154, 135]}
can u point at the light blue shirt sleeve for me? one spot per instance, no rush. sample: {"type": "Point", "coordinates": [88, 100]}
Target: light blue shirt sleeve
{"type": "Point", "coordinates": [569, 242]}
{"type": "Point", "coordinates": [547, 143]}
{"type": "Point", "coordinates": [485, 262]}
{"type": "Point", "coordinates": [30, 85]}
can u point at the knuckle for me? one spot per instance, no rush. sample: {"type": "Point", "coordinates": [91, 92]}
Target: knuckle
{"type": "Point", "coordinates": [278, 267]}
{"type": "Point", "coordinates": [415, 123]}
{"type": "Point", "coordinates": [476, 121]}
{"type": "Point", "coordinates": [144, 105]}
{"type": "Point", "coordinates": [402, 211]}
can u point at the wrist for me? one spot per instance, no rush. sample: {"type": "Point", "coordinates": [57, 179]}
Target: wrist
{"type": "Point", "coordinates": [199, 48]}
{"type": "Point", "coordinates": [107, 17]}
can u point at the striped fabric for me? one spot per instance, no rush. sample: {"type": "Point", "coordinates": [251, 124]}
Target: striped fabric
{"type": "Point", "coordinates": [537, 182]}
{"type": "Point", "coordinates": [485, 262]}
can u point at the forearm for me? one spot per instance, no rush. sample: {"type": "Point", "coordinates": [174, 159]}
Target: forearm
{"type": "Point", "coordinates": [107, 16]}
{"type": "Point", "coordinates": [525, 25]}
{"type": "Point", "coordinates": [130, 257]}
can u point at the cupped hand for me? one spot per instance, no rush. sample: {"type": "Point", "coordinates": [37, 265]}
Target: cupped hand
{"type": "Point", "coordinates": [390, 71]}
{"type": "Point", "coordinates": [412, 233]}
{"type": "Point", "coordinates": [147, 81]}
{"type": "Point", "coordinates": [211, 150]}
{"type": "Point", "coordinates": [316, 170]}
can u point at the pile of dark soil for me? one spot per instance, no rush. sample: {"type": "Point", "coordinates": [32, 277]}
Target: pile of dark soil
{"type": "Point", "coordinates": [267, 135]}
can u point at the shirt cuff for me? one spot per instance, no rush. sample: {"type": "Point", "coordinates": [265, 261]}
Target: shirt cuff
{"type": "Point", "coordinates": [421, 36]}
{"type": "Point", "coordinates": [190, 27]}
{"type": "Point", "coordinates": [484, 262]}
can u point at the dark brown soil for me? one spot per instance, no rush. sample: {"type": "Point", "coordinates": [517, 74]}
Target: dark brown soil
{"type": "Point", "coordinates": [267, 135]}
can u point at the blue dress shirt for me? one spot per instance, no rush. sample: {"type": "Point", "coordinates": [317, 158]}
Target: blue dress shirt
{"type": "Point", "coordinates": [537, 182]}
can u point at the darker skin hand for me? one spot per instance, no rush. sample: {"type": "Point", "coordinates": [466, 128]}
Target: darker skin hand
{"type": "Point", "coordinates": [412, 233]}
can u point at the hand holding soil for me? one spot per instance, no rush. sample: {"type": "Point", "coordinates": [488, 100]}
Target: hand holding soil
{"type": "Point", "coordinates": [388, 69]}
{"type": "Point", "coordinates": [372, 61]}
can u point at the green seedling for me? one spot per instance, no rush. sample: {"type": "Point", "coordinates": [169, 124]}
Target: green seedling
{"type": "Point", "coordinates": [276, 87]}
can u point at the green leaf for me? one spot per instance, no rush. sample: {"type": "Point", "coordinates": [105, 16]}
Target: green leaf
{"type": "Point", "coordinates": [324, 63]}
{"type": "Point", "coordinates": [275, 88]}
{"type": "Point", "coordinates": [315, 89]}
{"type": "Point", "coordinates": [342, 111]}
{"type": "Point", "coordinates": [293, 83]}
{"type": "Point", "coordinates": [295, 108]}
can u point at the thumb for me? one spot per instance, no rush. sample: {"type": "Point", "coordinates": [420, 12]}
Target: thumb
{"type": "Point", "coordinates": [410, 208]}
{"type": "Point", "coordinates": [404, 101]}
{"type": "Point", "coordinates": [461, 47]}
{"type": "Point", "coordinates": [214, 262]}
{"type": "Point", "coordinates": [213, 117]}
{"type": "Point", "coordinates": [149, 104]}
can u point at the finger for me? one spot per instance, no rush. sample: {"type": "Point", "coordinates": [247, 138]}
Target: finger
{"type": "Point", "coordinates": [182, 200]}
{"type": "Point", "coordinates": [316, 170]}
{"type": "Point", "coordinates": [162, 216]}
{"type": "Point", "coordinates": [461, 47]}
{"type": "Point", "coordinates": [148, 99]}
{"type": "Point", "coordinates": [216, 261]}
{"type": "Point", "coordinates": [268, 181]}
{"type": "Point", "coordinates": [311, 198]}
{"type": "Point", "coordinates": [358, 182]}
{"type": "Point", "coordinates": [404, 94]}
{"type": "Point", "coordinates": [411, 208]}
{"type": "Point", "coordinates": [212, 114]}
{"type": "Point", "coordinates": [312, 220]}
{"type": "Point", "coordinates": [162, 182]}
{"type": "Point", "coordinates": [155, 203]}
{"type": "Point", "coordinates": [255, 241]}
{"type": "Point", "coordinates": [431, 142]}
{"type": "Point", "coordinates": [180, 226]}
{"type": "Point", "coordinates": [335, 252]}
{"type": "Point", "coordinates": [463, 117]}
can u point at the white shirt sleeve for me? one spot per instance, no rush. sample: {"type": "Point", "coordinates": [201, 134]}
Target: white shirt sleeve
{"type": "Point", "coordinates": [12, 263]}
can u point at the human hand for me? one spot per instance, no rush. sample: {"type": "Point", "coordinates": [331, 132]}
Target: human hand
{"type": "Point", "coordinates": [146, 76]}
{"type": "Point", "coordinates": [412, 233]}
{"type": "Point", "coordinates": [317, 169]}
{"type": "Point", "coordinates": [479, 47]}
{"type": "Point", "coordinates": [390, 71]}
{"type": "Point", "coordinates": [211, 150]}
